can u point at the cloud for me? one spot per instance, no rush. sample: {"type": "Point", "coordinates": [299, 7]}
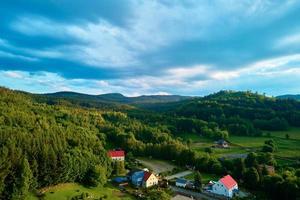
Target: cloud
{"type": "Point", "coordinates": [292, 40]}
{"type": "Point", "coordinates": [16, 56]}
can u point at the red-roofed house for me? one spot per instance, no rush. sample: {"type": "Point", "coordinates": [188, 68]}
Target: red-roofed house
{"type": "Point", "coordinates": [226, 186]}
{"type": "Point", "coordinates": [116, 155]}
{"type": "Point", "coordinates": [149, 179]}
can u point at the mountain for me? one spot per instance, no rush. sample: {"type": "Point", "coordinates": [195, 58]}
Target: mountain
{"type": "Point", "coordinates": [289, 96]}
{"type": "Point", "coordinates": [119, 98]}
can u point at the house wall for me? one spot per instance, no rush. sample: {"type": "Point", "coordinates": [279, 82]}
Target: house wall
{"type": "Point", "coordinates": [219, 188]}
{"type": "Point", "coordinates": [152, 180]}
{"type": "Point", "coordinates": [121, 158]}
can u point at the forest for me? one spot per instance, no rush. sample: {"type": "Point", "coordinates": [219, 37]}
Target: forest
{"type": "Point", "coordinates": [50, 140]}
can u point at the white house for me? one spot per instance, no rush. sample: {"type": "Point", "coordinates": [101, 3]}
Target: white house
{"type": "Point", "coordinates": [117, 155]}
{"type": "Point", "coordinates": [226, 186]}
{"type": "Point", "coordinates": [149, 179]}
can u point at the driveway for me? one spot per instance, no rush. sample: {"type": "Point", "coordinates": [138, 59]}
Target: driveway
{"type": "Point", "coordinates": [179, 175]}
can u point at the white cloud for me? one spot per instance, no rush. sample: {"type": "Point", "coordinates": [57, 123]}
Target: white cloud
{"type": "Point", "coordinates": [13, 74]}
{"type": "Point", "coordinates": [288, 41]}
{"type": "Point", "coordinates": [16, 56]}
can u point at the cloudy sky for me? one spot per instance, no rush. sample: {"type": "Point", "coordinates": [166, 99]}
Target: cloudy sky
{"type": "Point", "coordinates": [134, 47]}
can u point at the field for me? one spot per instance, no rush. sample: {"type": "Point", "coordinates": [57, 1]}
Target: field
{"type": "Point", "coordinates": [288, 149]}
{"type": "Point", "coordinates": [68, 190]}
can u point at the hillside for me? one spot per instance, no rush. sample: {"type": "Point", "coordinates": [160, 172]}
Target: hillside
{"type": "Point", "coordinates": [290, 96]}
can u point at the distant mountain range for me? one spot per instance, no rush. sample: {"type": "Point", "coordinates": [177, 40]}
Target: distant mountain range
{"type": "Point", "coordinates": [119, 98]}
{"type": "Point", "coordinates": [289, 96]}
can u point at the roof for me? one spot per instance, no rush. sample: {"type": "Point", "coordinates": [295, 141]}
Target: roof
{"type": "Point", "coordinates": [113, 153]}
{"type": "Point", "coordinates": [120, 179]}
{"type": "Point", "coordinates": [181, 180]}
{"type": "Point", "coordinates": [228, 182]}
{"type": "Point", "coordinates": [147, 175]}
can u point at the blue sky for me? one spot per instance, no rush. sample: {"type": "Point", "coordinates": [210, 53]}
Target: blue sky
{"type": "Point", "coordinates": [135, 47]}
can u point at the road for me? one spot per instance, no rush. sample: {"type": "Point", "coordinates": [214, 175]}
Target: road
{"type": "Point", "coordinates": [195, 195]}
{"type": "Point", "coordinates": [179, 175]}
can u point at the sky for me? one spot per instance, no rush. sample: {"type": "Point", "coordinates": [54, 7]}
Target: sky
{"type": "Point", "coordinates": [143, 47]}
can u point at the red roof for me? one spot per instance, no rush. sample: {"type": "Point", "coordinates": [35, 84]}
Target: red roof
{"type": "Point", "coordinates": [228, 182]}
{"type": "Point", "coordinates": [113, 153]}
{"type": "Point", "coordinates": [146, 175]}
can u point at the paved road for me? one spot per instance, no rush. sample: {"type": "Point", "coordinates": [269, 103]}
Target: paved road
{"type": "Point", "coordinates": [195, 195]}
{"type": "Point", "coordinates": [179, 175]}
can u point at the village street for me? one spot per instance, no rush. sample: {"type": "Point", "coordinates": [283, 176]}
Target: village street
{"type": "Point", "coordinates": [189, 193]}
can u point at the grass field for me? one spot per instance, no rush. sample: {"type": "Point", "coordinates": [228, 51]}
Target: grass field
{"type": "Point", "coordinates": [287, 148]}
{"type": "Point", "coordinates": [68, 190]}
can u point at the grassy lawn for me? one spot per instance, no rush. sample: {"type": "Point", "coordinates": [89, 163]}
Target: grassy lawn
{"type": "Point", "coordinates": [68, 190]}
{"type": "Point", "coordinates": [205, 177]}
{"type": "Point", "coordinates": [294, 133]}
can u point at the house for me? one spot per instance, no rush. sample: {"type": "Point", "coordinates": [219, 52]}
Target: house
{"type": "Point", "coordinates": [142, 178]}
{"type": "Point", "coordinates": [181, 182]}
{"type": "Point", "coordinates": [226, 186]}
{"type": "Point", "coordinates": [116, 155]}
{"type": "Point", "coordinates": [149, 179]}
{"type": "Point", "coordinates": [221, 144]}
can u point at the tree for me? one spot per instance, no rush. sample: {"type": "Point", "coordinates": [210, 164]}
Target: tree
{"type": "Point", "coordinates": [95, 176]}
{"type": "Point", "coordinates": [250, 160]}
{"type": "Point", "coordinates": [158, 195]}
{"type": "Point", "coordinates": [119, 168]}
{"type": "Point", "coordinates": [239, 168]}
{"type": "Point", "coordinates": [198, 180]}
{"type": "Point", "coordinates": [287, 136]}
{"type": "Point", "coordinates": [24, 181]}
{"type": "Point", "coordinates": [252, 178]}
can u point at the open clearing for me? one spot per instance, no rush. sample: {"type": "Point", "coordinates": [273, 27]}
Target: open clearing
{"type": "Point", "coordinates": [241, 145]}
{"type": "Point", "coordinates": [157, 166]}
{"type": "Point", "coordinates": [68, 190]}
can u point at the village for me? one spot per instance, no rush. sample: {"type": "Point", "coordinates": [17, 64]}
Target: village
{"type": "Point", "coordinates": [140, 177]}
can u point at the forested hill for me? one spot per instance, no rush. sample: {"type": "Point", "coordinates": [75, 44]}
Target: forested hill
{"type": "Point", "coordinates": [119, 98]}
{"type": "Point", "coordinates": [290, 96]}
{"type": "Point", "coordinates": [239, 113]}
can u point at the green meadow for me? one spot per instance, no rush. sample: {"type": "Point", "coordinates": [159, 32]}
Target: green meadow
{"type": "Point", "coordinates": [68, 190]}
{"type": "Point", "coordinates": [287, 148]}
